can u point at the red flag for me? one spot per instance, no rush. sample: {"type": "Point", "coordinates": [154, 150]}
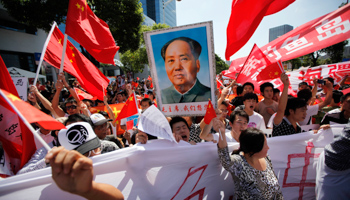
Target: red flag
{"type": "Point", "coordinates": [83, 95]}
{"type": "Point", "coordinates": [6, 80]}
{"type": "Point", "coordinates": [90, 31]}
{"type": "Point", "coordinates": [271, 71]}
{"type": "Point", "coordinates": [129, 124]}
{"type": "Point", "coordinates": [246, 16]}
{"type": "Point", "coordinates": [256, 61]}
{"type": "Point", "coordinates": [75, 63]}
{"type": "Point", "coordinates": [219, 85]}
{"type": "Point", "coordinates": [17, 140]}
{"type": "Point", "coordinates": [129, 109]}
{"type": "Point", "coordinates": [210, 113]}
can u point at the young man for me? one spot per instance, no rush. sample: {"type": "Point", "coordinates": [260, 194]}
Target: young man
{"type": "Point", "coordinates": [276, 94]}
{"type": "Point", "coordinates": [267, 107]}
{"type": "Point", "coordinates": [180, 129]}
{"type": "Point", "coordinates": [255, 119]}
{"type": "Point", "coordinates": [238, 122]}
{"type": "Point", "coordinates": [288, 114]}
{"type": "Point", "coordinates": [312, 110]}
{"type": "Point", "coordinates": [339, 116]}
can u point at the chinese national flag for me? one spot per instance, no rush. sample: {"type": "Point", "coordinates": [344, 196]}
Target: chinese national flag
{"type": "Point", "coordinates": [129, 124]}
{"type": "Point", "coordinates": [83, 95]}
{"type": "Point", "coordinates": [246, 16]}
{"type": "Point", "coordinates": [17, 140]}
{"type": "Point", "coordinates": [129, 109]}
{"type": "Point", "coordinates": [219, 85]}
{"type": "Point", "coordinates": [75, 63]}
{"type": "Point", "coordinates": [90, 31]}
{"type": "Point", "coordinates": [271, 71]}
{"type": "Point", "coordinates": [210, 113]}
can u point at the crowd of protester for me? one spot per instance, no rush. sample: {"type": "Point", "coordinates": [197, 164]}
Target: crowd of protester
{"type": "Point", "coordinates": [242, 119]}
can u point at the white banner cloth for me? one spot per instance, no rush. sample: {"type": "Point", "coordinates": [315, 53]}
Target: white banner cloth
{"type": "Point", "coordinates": [163, 169]}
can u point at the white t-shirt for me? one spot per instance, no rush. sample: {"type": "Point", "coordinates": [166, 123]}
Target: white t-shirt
{"type": "Point", "coordinates": [256, 121]}
{"type": "Point", "coordinates": [311, 111]}
{"type": "Point", "coordinates": [270, 124]}
{"type": "Point", "coordinates": [228, 135]}
{"type": "Point", "coordinates": [47, 138]}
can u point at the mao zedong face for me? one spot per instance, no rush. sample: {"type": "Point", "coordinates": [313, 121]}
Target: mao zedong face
{"type": "Point", "coordinates": [181, 65]}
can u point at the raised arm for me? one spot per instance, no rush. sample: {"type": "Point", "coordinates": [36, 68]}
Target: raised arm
{"type": "Point", "coordinates": [55, 99]}
{"type": "Point", "coordinates": [71, 90]}
{"type": "Point", "coordinates": [205, 133]}
{"type": "Point", "coordinates": [110, 111]}
{"type": "Point", "coordinates": [73, 173]}
{"type": "Point", "coordinates": [329, 96]}
{"type": "Point", "coordinates": [46, 103]}
{"type": "Point", "coordinates": [283, 100]}
{"type": "Point", "coordinates": [225, 92]}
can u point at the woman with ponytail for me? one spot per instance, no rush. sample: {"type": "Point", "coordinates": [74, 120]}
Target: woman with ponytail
{"type": "Point", "coordinates": [250, 166]}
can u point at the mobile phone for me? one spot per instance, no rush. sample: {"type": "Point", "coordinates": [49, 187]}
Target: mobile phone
{"type": "Point", "coordinates": [320, 81]}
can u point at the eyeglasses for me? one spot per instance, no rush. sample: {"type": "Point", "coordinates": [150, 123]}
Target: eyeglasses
{"type": "Point", "coordinates": [71, 107]}
{"type": "Point", "coordinates": [224, 111]}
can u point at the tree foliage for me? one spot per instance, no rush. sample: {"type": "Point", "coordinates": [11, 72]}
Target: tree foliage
{"type": "Point", "coordinates": [124, 17]}
{"type": "Point", "coordinates": [135, 61]}
{"type": "Point", "coordinates": [335, 52]}
{"type": "Point", "coordinates": [220, 64]}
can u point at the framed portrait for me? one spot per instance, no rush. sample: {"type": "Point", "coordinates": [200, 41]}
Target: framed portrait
{"type": "Point", "coordinates": [182, 65]}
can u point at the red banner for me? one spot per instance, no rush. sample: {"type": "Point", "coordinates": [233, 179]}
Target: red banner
{"type": "Point", "coordinates": [319, 33]}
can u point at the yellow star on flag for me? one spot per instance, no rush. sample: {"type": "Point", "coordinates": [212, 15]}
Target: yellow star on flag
{"type": "Point", "coordinates": [71, 60]}
{"type": "Point", "coordinates": [276, 73]}
{"type": "Point", "coordinates": [60, 40]}
{"type": "Point", "coordinates": [71, 47]}
{"type": "Point", "coordinates": [82, 8]}
{"type": "Point", "coordinates": [131, 98]}
{"type": "Point", "coordinates": [78, 6]}
{"type": "Point", "coordinates": [209, 106]}
{"type": "Point", "coordinates": [73, 54]}
{"type": "Point", "coordinates": [13, 97]}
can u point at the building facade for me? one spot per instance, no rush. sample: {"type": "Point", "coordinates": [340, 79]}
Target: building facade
{"type": "Point", "coordinates": [279, 31]}
{"type": "Point", "coordinates": [161, 11]}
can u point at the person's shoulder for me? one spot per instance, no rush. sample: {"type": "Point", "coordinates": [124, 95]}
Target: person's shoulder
{"type": "Point", "coordinates": [203, 87]}
{"type": "Point", "coordinates": [257, 114]}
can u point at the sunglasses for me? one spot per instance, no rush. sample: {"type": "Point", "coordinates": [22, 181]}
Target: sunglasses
{"type": "Point", "coordinates": [71, 107]}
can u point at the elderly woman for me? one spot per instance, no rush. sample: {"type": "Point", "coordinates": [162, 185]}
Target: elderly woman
{"type": "Point", "coordinates": [250, 167]}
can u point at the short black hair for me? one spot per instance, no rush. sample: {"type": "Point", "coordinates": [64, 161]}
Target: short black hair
{"type": "Point", "coordinates": [104, 113]}
{"type": "Point", "coordinates": [195, 47]}
{"type": "Point", "coordinates": [305, 94]}
{"type": "Point", "coordinates": [241, 113]}
{"type": "Point", "coordinates": [248, 83]}
{"type": "Point", "coordinates": [70, 100]}
{"type": "Point", "coordinates": [303, 83]}
{"type": "Point", "coordinates": [330, 79]}
{"type": "Point", "coordinates": [276, 90]}
{"type": "Point", "coordinates": [239, 89]}
{"type": "Point", "coordinates": [344, 97]}
{"type": "Point", "coordinates": [337, 96]}
{"type": "Point", "coordinates": [265, 85]}
{"type": "Point", "coordinates": [250, 96]}
{"type": "Point", "coordinates": [148, 100]}
{"type": "Point", "coordinates": [224, 103]}
{"type": "Point", "coordinates": [294, 103]}
{"type": "Point", "coordinates": [78, 118]}
{"type": "Point", "coordinates": [251, 141]}
{"type": "Point", "coordinates": [177, 119]}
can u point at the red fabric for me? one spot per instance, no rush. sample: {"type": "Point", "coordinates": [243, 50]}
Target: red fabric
{"type": "Point", "coordinates": [316, 34]}
{"type": "Point", "coordinates": [76, 64]}
{"type": "Point", "coordinates": [129, 124]}
{"type": "Point", "coordinates": [83, 95]}
{"type": "Point", "coordinates": [271, 71]}
{"type": "Point", "coordinates": [32, 114]}
{"type": "Point", "coordinates": [6, 82]}
{"type": "Point", "coordinates": [129, 109]}
{"type": "Point", "coordinates": [210, 113]}
{"type": "Point", "coordinates": [246, 16]}
{"type": "Point", "coordinates": [219, 85]}
{"type": "Point", "coordinates": [90, 31]}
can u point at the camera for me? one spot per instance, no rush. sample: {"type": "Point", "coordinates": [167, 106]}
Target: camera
{"type": "Point", "coordinates": [320, 81]}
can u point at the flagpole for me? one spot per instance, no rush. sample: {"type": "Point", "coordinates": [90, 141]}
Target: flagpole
{"type": "Point", "coordinates": [63, 52]}
{"type": "Point", "coordinates": [43, 52]}
{"type": "Point", "coordinates": [26, 122]}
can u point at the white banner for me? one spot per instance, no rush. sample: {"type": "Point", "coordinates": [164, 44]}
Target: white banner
{"type": "Point", "coordinates": [166, 170]}
{"type": "Point", "coordinates": [21, 84]}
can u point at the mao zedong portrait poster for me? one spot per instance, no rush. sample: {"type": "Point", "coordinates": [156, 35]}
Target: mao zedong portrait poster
{"type": "Point", "coordinates": [181, 62]}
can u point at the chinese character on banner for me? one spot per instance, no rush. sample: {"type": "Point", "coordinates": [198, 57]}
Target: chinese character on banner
{"type": "Point", "coordinates": [250, 66]}
{"type": "Point", "coordinates": [272, 53]}
{"type": "Point", "coordinates": [199, 107]}
{"type": "Point", "coordinates": [332, 28]}
{"type": "Point", "coordinates": [293, 44]}
{"type": "Point", "coordinates": [163, 110]}
{"type": "Point", "coordinates": [176, 108]}
{"type": "Point", "coordinates": [311, 73]}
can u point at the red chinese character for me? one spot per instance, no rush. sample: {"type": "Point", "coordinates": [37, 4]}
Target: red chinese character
{"type": "Point", "coordinates": [199, 107]}
{"type": "Point", "coordinates": [163, 110]}
{"type": "Point", "coordinates": [205, 107]}
{"type": "Point", "coordinates": [307, 155]}
{"type": "Point", "coordinates": [186, 108]}
{"type": "Point", "coordinates": [312, 73]}
{"type": "Point", "coordinates": [169, 108]}
{"type": "Point", "coordinates": [176, 108]}
{"type": "Point", "coordinates": [193, 108]}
